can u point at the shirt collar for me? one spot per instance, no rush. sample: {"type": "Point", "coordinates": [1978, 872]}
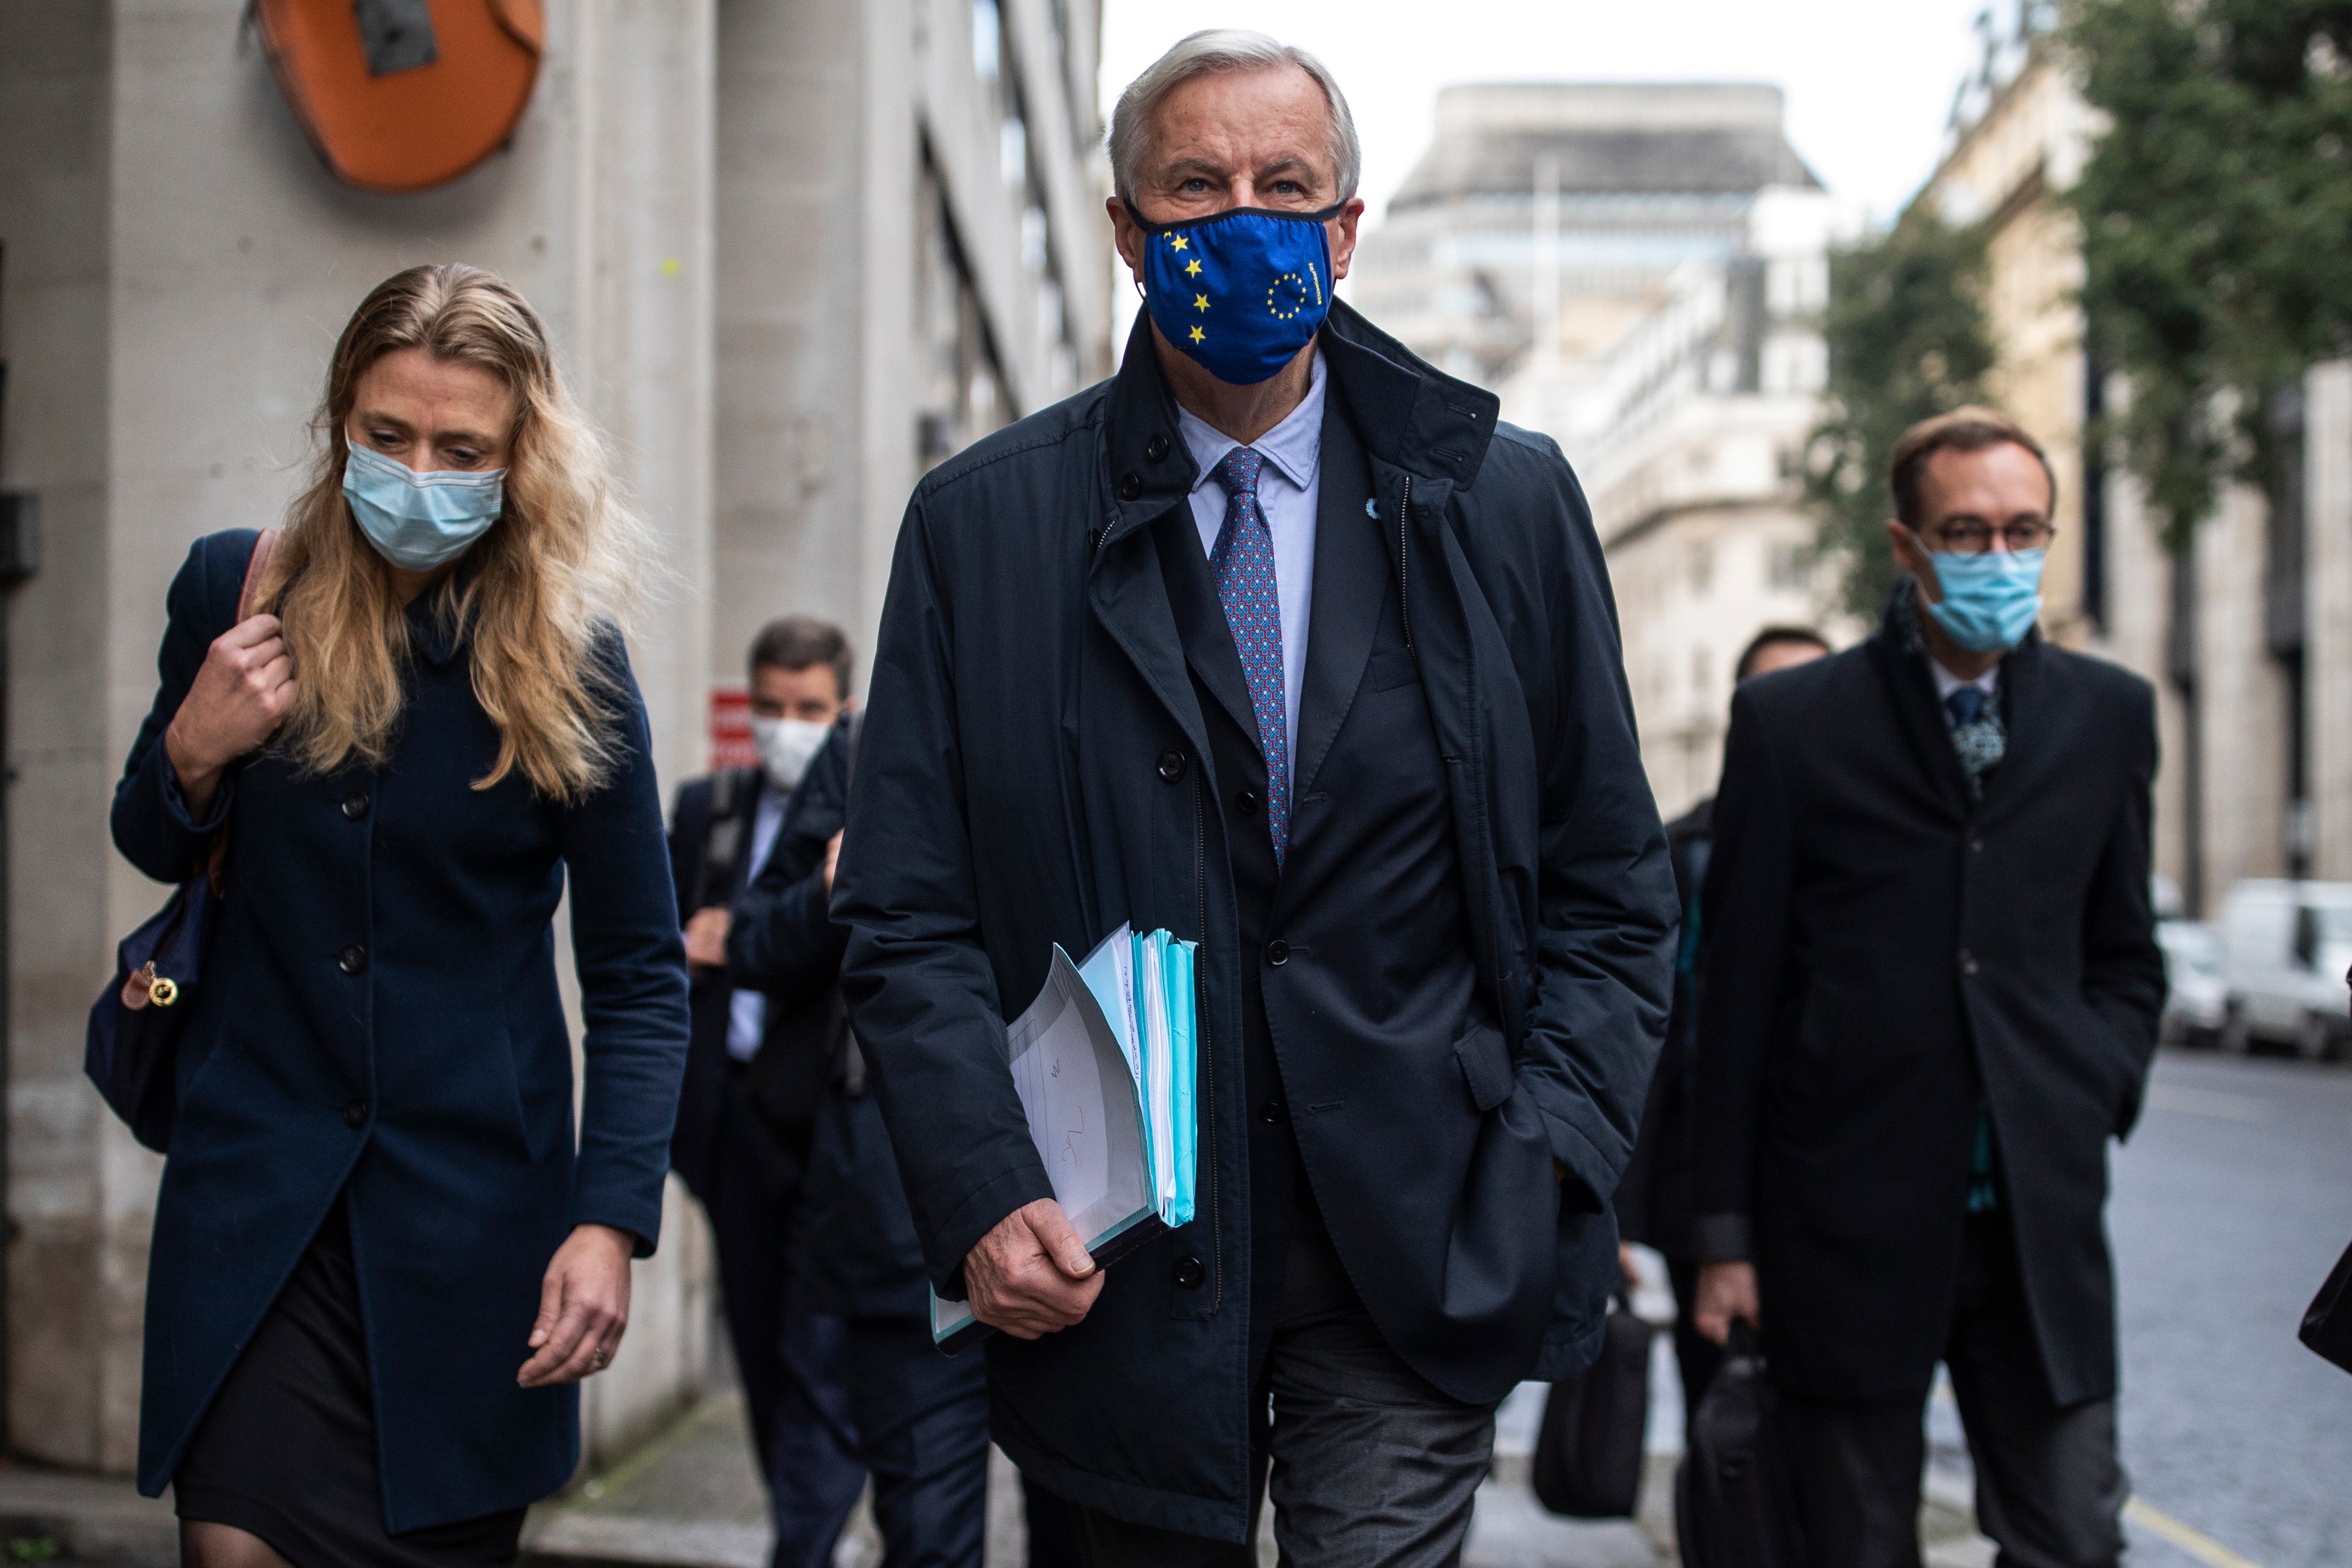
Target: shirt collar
{"type": "Point", "coordinates": [1295, 447]}
{"type": "Point", "coordinates": [1948, 682]}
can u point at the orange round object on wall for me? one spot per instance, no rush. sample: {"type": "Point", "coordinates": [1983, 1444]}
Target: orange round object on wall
{"type": "Point", "coordinates": [403, 95]}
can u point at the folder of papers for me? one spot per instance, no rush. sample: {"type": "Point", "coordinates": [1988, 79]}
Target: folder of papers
{"type": "Point", "coordinates": [1105, 1064]}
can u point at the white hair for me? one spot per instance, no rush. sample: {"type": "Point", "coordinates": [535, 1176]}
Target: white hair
{"type": "Point", "coordinates": [1222, 49]}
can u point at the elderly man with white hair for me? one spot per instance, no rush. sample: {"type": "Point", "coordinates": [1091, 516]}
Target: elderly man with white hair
{"type": "Point", "coordinates": [1280, 642]}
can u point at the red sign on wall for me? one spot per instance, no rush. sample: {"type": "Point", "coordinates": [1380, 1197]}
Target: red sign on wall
{"type": "Point", "coordinates": [731, 728]}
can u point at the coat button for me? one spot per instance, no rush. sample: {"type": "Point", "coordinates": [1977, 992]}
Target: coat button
{"type": "Point", "coordinates": [1247, 801]}
{"type": "Point", "coordinates": [1131, 486]}
{"type": "Point", "coordinates": [1188, 1272]}
{"type": "Point", "coordinates": [1968, 962]}
{"type": "Point", "coordinates": [1156, 449]}
{"type": "Point", "coordinates": [351, 960]}
{"type": "Point", "coordinates": [355, 1114]}
{"type": "Point", "coordinates": [1270, 1113]}
{"type": "Point", "coordinates": [1277, 952]}
{"type": "Point", "coordinates": [1172, 766]}
{"type": "Point", "coordinates": [355, 805]}
{"type": "Point", "coordinates": [1976, 846]}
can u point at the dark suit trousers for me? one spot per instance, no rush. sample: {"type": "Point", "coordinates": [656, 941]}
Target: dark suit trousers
{"type": "Point", "coordinates": [806, 1452]}
{"type": "Point", "coordinates": [2049, 1488]}
{"type": "Point", "coordinates": [1373, 1467]}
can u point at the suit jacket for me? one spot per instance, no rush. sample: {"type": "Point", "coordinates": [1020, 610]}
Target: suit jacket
{"type": "Point", "coordinates": [708, 1070]}
{"type": "Point", "coordinates": [379, 1019]}
{"type": "Point", "coordinates": [1904, 957]}
{"type": "Point", "coordinates": [855, 1252]}
{"type": "Point", "coordinates": [1037, 769]}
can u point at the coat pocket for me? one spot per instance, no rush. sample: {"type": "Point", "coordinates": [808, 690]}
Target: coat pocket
{"type": "Point", "coordinates": [1484, 1058]}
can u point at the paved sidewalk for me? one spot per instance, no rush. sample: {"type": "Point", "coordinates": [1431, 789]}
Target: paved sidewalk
{"type": "Point", "coordinates": [691, 1499]}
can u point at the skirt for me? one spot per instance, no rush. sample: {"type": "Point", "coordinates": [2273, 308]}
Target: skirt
{"type": "Point", "coordinates": [287, 1451]}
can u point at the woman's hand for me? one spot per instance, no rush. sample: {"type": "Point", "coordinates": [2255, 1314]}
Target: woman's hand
{"type": "Point", "coordinates": [240, 692]}
{"type": "Point", "coordinates": [583, 1307]}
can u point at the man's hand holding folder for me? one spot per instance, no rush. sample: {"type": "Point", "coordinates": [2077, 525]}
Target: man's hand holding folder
{"type": "Point", "coordinates": [1104, 1066]}
{"type": "Point", "coordinates": [1032, 1274]}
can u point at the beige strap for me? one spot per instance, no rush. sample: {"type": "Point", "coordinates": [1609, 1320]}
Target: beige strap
{"type": "Point", "coordinates": [255, 570]}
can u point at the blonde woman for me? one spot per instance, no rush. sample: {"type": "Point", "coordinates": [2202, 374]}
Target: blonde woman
{"type": "Point", "coordinates": [380, 1268]}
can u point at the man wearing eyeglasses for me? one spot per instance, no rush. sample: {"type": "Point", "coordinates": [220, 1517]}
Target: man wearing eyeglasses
{"type": "Point", "coordinates": [1933, 849]}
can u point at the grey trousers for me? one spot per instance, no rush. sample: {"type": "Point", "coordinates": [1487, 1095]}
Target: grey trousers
{"type": "Point", "coordinates": [1372, 1466]}
{"type": "Point", "coordinates": [2049, 1488]}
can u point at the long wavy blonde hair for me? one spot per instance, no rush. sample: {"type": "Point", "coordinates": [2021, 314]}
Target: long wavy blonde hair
{"type": "Point", "coordinates": [560, 567]}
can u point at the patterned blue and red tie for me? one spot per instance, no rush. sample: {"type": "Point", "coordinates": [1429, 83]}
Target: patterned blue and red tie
{"type": "Point", "coordinates": [1242, 561]}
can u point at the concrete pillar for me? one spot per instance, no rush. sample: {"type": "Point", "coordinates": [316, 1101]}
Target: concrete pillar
{"type": "Point", "coordinates": [2327, 490]}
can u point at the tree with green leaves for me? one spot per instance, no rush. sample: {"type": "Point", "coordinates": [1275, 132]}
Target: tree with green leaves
{"type": "Point", "coordinates": [2216, 210]}
{"type": "Point", "coordinates": [1907, 341]}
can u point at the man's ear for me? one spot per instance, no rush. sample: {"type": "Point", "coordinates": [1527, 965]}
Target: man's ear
{"type": "Point", "coordinates": [1911, 555]}
{"type": "Point", "coordinates": [1127, 236]}
{"type": "Point", "coordinates": [1343, 248]}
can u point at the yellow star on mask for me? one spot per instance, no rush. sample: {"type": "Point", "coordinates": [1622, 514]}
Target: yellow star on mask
{"type": "Point", "coordinates": [1193, 267]}
{"type": "Point", "coordinates": [1178, 241]}
{"type": "Point", "coordinates": [1199, 302]}
{"type": "Point", "coordinates": [1197, 335]}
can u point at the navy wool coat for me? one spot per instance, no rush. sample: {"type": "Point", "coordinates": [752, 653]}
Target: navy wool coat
{"type": "Point", "coordinates": [378, 1016]}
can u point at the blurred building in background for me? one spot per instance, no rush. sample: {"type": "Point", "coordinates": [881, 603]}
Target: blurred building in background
{"type": "Point", "coordinates": [1639, 270]}
{"type": "Point", "coordinates": [789, 261]}
{"type": "Point", "coordinates": [2248, 634]}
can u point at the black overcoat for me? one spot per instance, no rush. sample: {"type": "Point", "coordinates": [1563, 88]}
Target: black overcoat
{"type": "Point", "coordinates": [378, 1016]}
{"type": "Point", "coordinates": [1036, 770]}
{"type": "Point", "coordinates": [1885, 957]}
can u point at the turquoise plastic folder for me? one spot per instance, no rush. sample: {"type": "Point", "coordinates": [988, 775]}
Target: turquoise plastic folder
{"type": "Point", "coordinates": [1104, 1062]}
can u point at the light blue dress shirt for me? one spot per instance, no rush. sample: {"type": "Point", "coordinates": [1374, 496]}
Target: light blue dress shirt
{"type": "Point", "coordinates": [747, 1011]}
{"type": "Point", "coordinates": [1288, 492]}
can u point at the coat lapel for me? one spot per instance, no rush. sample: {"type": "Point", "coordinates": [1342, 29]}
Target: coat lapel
{"type": "Point", "coordinates": [1912, 691]}
{"type": "Point", "coordinates": [2024, 702]}
{"type": "Point", "coordinates": [1351, 584]}
{"type": "Point", "coordinates": [1200, 623]}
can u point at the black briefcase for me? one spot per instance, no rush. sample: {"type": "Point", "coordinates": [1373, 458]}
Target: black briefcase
{"type": "Point", "coordinates": [1588, 1462]}
{"type": "Point", "coordinates": [1733, 1507]}
{"type": "Point", "coordinates": [2327, 1326]}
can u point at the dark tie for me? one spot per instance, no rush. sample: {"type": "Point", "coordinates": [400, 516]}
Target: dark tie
{"type": "Point", "coordinates": [1243, 562]}
{"type": "Point", "coordinates": [1964, 704]}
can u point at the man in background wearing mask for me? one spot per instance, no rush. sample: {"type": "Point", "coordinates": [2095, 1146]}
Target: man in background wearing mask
{"type": "Point", "coordinates": [1654, 1202]}
{"type": "Point", "coordinates": [1277, 641]}
{"type": "Point", "coordinates": [1932, 851]}
{"type": "Point", "coordinates": [755, 1068]}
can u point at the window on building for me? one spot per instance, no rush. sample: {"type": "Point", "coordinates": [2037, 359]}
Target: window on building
{"type": "Point", "coordinates": [1702, 568]}
{"type": "Point", "coordinates": [1702, 678]}
{"type": "Point", "coordinates": [1788, 568]}
{"type": "Point", "coordinates": [987, 41]}
{"type": "Point", "coordinates": [963, 393]}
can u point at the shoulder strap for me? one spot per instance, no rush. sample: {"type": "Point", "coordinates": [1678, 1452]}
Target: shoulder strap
{"type": "Point", "coordinates": [849, 763]}
{"type": "Point", "coordinates": [256, 566]}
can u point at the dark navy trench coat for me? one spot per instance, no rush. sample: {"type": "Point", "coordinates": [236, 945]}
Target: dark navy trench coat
{"type": "Point", "coordinates": [1036, 768]}
{"type": "Point", "coordinates": [379, 1016]}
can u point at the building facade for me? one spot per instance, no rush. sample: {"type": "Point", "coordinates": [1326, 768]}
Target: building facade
{"type": "Point", "coordinates": [2247, 636]}
{"type": "Point", "coordinates": [789, 254]}
{"type": "Point", "coordinates": [1639, 271]}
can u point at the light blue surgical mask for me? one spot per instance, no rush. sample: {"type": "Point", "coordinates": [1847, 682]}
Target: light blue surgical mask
{"type": "Point", "coordinates": [1990, 601]}
{"type": "Point", "coordinates": [420, 521]}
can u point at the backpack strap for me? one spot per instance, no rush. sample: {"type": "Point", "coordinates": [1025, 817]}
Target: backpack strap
{"type": "Point", "coordinates": [731, 794]}
{"type": "Point", "coordinates": [256, 566]}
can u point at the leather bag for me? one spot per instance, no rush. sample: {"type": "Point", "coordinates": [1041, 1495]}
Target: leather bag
{"type": "Point", "coordinates": [1734, 1506]}
{"type": "Point", "coordinates": [132, 1050]}
{"type": "Point", "coordinates": [2327, 1326]}
{"type": "Point", "coordinates": [1596, 1427]}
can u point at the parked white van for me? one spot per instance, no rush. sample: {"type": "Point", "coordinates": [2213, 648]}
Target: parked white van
{"type": "Point", "coordinates": [2286, 948]}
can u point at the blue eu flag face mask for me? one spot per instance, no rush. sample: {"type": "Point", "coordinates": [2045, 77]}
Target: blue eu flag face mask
{"type": "Point", "coordinates": [1240, 291]}
{"type": "Point", "coordinates": [1990, 601]}
{"type": "Point", "coordinates": [420, 521]}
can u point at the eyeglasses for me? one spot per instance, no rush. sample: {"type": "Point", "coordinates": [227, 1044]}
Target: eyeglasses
{"type": "Point", "coordinates": [1976, 538]}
